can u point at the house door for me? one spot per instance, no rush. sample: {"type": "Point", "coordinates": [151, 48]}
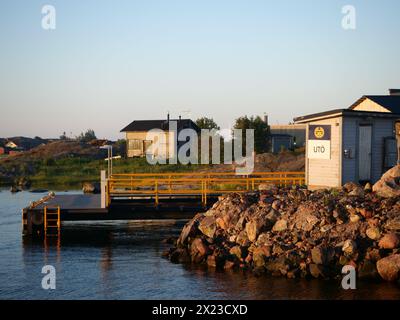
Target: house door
{"type": "Point", "coordinates": [365, 152]}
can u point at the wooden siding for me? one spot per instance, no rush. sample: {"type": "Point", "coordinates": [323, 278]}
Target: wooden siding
{"type": "Point", "coordinates": [350, 142]}
{"type": "Point", "coordinates": [369, 105]}
{"type": "Point", "coordinates": [142, 136]}
{"type": "Point", "coordinates": [326, 173]}
{"type": "Point", "coordinates": [381, 128]}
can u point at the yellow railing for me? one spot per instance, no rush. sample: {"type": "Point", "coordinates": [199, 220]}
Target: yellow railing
{"type": "Point", "coordinates": [194, 184]}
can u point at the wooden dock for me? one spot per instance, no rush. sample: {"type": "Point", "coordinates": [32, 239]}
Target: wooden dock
{"type": "Point", "coordinates": [144, 197]}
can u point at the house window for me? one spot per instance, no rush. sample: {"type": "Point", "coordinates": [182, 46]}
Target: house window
{"type": "Point", "coordinates": [135, 144]}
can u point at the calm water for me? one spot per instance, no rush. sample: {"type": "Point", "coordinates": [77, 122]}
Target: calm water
{"type": "Point", "coordinates": [122, 260]}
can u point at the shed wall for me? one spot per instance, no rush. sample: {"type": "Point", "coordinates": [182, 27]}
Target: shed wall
{"type": "Point", "coordinates": [381, 128]}
{"type": "Point", "coordinates": [323, 172]}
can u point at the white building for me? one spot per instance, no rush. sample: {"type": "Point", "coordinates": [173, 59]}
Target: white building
{"type": "Point", "coordinates": [357, 144]}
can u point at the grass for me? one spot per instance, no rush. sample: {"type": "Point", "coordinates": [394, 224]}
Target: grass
{"type": "Point", "coordinates": [72, 172]}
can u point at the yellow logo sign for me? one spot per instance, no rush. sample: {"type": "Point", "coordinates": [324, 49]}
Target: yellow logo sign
{"type": "Point", "coordinates": [319, 132]}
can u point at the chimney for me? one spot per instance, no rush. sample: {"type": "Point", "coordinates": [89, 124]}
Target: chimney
{"type": "Point", "coordinates": [394, 92]}
{"type": "Point", "coordinates": [180, 118]}
{"type": "Point", "coordinates": [168, 117]}
{"type": "Point", "coordinates": [266, 118]}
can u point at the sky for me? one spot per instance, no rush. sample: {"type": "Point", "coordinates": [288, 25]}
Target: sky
{"type": "Point", "coordinates": [108, 63]}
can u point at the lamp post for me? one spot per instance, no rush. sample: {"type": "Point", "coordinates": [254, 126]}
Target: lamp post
{"type": "Point", "coordinates": [109, 159]}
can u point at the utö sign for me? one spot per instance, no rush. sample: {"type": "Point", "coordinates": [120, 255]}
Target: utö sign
{"type": "Point", "coordinates": [319, 142]}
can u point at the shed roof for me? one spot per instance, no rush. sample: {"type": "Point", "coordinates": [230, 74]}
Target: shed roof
{"type": "Point", "coordinates": [146, 125]}
{"type": "Point", "coordinates": [392, 103]}
{"type": "Point", "coordinates": [345, 112]}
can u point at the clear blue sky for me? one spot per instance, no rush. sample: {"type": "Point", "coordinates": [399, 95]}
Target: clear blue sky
{"type": "Point", "coordinates": [110, 62]}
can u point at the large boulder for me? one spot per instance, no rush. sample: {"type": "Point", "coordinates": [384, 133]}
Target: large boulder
{"type": "Point", "coordinates": [189, 230]}
{"type": "Point", "coordinates": [260, 223]}
{"type": "Point", "coordinates": [89, 187]}
{"type": "Point", "coordinates": [389, 184]}
{"type": "Point", "coordinates": [208, 227]}
{"type": "Point", "coordinates": [354, 189]}
{"type": "Point", "coordinates": [198, 250]}
{"type": "Point", "coordinates": [280, 225]}
{"type": "Point", "coordinates": [260, 255]}
{"type": "Point", "coordinates": [393, 224]}
{"type": "Point", "coordinates": [389, 267]}
{"type": "Point", "coordinates": [321, 255]}
{"type": "Point", "coordinates": [389, 241]}
{"type": "Point", "coordinates": [306, 218]}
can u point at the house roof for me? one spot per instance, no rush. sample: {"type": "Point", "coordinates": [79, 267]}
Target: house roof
{"type": "Point", "coordinates": [392, 103]}
{"type": "Point", "coordinates": [281, 135]}
{"type": "Point", "coordinates": [146, 125]}
{"type": "Point", "coordinates": [345, 112]}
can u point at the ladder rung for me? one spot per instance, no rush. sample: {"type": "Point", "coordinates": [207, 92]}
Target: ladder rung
{"type": "Point", "coordinates": [52, 221]}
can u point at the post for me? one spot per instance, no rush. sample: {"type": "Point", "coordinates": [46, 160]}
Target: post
{"type": "Point", "coordinates": [111, 160]}
{"type": "Point", "coordinates": [156, 191]}
{"type": "Point", "coordinates": [103, 186]}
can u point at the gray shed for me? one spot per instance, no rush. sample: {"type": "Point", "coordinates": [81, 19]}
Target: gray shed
{"type": "Point", "coordinates": [346, 145]}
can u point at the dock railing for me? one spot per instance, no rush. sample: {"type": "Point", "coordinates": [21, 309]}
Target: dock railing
{"type": "Point", "coordinates": [158, 185]}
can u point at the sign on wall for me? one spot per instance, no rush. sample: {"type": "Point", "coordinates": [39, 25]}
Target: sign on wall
{"type": "Point", "coordinates": [319, 142]}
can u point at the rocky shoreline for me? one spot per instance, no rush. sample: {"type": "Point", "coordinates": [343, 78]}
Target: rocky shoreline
{"type": "Point", "coordinates": [298, 233]}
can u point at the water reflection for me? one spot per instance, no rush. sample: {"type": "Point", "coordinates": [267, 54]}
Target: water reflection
{"type": "Point", "coordinates": [123, 261]}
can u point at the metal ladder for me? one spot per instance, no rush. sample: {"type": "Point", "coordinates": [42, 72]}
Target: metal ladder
{"type": "Point", "coordinates": [52, 221]}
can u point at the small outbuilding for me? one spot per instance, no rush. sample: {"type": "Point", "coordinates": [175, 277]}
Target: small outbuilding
{"type": "Point", "coordinates": [297, 131]}
{"type": "Point", "coordinates": [357, 144]}
{"type": "Point", "coordinates": [280, 142]}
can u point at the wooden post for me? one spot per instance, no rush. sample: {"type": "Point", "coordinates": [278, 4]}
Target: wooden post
{"type": "Point", "coordinates": [103, 187]}
{"type": "Point", "coordinates": [156, 191]}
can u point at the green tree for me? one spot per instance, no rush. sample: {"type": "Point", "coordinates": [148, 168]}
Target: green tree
{"type": "Point", "coordinates": [207, 123]}
{"type": "Point", "coordinates": [87, 136]}
{"type": "Point", "coordinates": [120, 147]}
{"type": "Point", "coordinates": [261, 131]}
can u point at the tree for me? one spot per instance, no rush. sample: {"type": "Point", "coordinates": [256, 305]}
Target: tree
{"type": "Point", "coordinates": [63, 136]}
{"type": "Point", "coordinates": [261, 131]}
{"type": "Point", "coordinates": [207, 123]}
{"type": "Point", "coordinates": [120, 147]}
{"type": "Point", "coordinates": [89, 135]}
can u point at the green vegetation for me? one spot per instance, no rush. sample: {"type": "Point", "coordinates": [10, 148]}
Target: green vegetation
{"type": "Point", "coordinates": [72, 172]}
{"type": "Point", "coordinates": [87, 136]}
{"type": "Point", "coordinates": [207, 123]}
{"type": "Point", "coordinates": [261, 131]}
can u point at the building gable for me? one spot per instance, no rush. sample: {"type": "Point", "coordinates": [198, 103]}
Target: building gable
{"type": "Point", "coordinates": [389, 103]}
{"type": "Point", "coordinates": [366, 104]}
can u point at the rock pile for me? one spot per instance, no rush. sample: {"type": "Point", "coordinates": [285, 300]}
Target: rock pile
{"type": "Point", "coordinates": [294, 232]}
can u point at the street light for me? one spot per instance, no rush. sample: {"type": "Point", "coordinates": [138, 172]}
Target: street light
{"type": "Point", "coordinates": [109, 158]}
